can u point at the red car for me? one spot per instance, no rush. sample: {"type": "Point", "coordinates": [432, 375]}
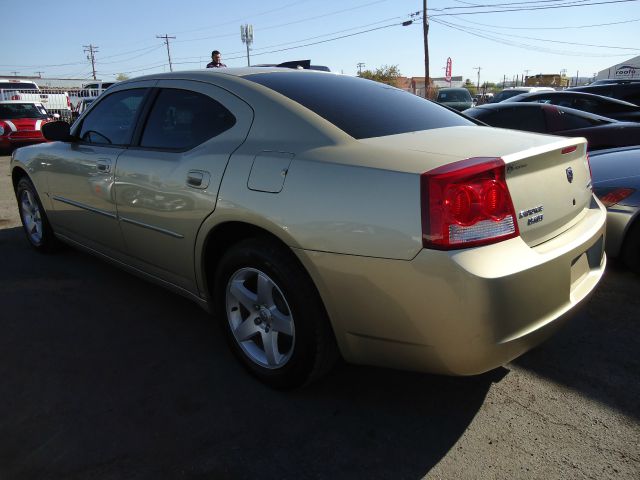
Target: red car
{"type": "Point", "coordinates": [21, 123]}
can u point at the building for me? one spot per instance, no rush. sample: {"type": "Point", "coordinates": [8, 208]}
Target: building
{"type": "Point", "coordinates": [629, 69]}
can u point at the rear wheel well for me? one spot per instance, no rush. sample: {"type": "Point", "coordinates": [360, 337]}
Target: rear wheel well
{"type": "Point", "coordinates": [224, 237]}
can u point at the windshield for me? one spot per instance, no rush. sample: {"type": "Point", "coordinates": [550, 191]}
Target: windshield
{"type": "Point", "coordinates": [21, 110]}
{"type": "Point", "coordinates": [361, 108]}
{"type": "Point", "coordinates": [454, 96]}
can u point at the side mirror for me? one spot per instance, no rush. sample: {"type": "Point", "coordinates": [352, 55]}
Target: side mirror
{"type": "Point", "coordinates": [59, 131]}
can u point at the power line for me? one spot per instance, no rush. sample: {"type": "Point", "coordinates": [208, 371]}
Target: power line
{"type": "Point", "coordinates": [551, 28]}
{"type": "Point", "coordinates": [523, 9]}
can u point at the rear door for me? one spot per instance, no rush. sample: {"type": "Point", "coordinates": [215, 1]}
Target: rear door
{"type": "Point", "coordinates": [168, 183]}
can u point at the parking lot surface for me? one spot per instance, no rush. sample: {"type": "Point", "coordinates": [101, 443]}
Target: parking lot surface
{"type": "Point", "coordinates": [103, 375]}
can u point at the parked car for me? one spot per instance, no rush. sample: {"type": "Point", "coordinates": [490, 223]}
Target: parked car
{"type": "Point", "coordinates": [607, 81]}
{"type": "Point", "coordinates": [456, 98]}
{"type": "Point", "coordinates": [601, 132]}
{"type": "Point", "coordinates": [628, 91]}
{"type": "Point", "coordinates": [587, 102]}
{"type": "Point", "coordinates": [616, 181]}
{"type": "Point", "coordinates": [513, 91]}
{"type": "Point", "coordinates": [320, 214]}
{"type": "Point", "coordinates": [21, 123]}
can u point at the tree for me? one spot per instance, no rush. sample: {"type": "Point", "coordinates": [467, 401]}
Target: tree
{"type": "Point", "coordinates": [386, 74]}
{"type": "Point", "coordinates": [470, 86]}
{"type": "Point", "coordinates": [122, 76]}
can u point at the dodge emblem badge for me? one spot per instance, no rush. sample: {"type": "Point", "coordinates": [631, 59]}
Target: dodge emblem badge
{"type": "Point", "coordinates": [569, 173]}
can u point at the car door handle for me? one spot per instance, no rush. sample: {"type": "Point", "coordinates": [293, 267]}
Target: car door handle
{"type": "Point", "coordinates": [103, 165]}
{"type": "Point", "coordinates": [198, 179]}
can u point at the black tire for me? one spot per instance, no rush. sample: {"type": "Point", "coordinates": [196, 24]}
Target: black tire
{"type": "Point", "coordinates": [34, 218]}
{"type": "Point", "coordinates": [302, 351]}
{"type": "Point", "coordinates": [630, 253]}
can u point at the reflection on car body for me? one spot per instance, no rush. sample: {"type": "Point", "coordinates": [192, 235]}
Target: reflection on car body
{"type": "Point", "coordinates": [321, 215]}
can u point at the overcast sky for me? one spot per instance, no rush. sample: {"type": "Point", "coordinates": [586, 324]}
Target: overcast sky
{"type": "Point", "coordinates": [502, 38]}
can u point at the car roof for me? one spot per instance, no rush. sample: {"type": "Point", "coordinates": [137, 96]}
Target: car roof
{"type": "Point", "coordinates": [575, 93]}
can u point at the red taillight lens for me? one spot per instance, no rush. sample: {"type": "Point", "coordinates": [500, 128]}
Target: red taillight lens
{"type": "Point", "coordinates": [15, 97]}
{"type": "Point", "coordinates": [466, 204]}
{"type": "Point", "coordinates": [68, 102]}
{"type": "Point", "coordinates": [613, 197]}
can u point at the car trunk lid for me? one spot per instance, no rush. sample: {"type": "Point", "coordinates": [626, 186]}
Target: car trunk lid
{"type": "Point", "coordinates": [548, 177]}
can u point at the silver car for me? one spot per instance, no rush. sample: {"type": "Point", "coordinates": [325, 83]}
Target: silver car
{"type": "Point", "coordinates": [616, 181]}
{"type": "Point", "coordinates": [321, 215]}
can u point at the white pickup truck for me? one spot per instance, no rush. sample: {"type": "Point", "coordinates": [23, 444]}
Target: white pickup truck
{"type": "Point", "coordinates": [55, 101]}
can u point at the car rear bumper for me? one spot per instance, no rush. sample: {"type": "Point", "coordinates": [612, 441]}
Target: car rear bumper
{"type": "Point", "coordinates": [459, 312]}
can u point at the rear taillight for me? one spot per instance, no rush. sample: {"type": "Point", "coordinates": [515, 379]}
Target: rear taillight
{"type": "Point", "coordinates": [466, 204]}
{"type": "Point", "coordinates": [15, 97]}
{"type": "Point", "coordinates": [68, 102]}
{"type": "Point", "coordinates": [611, 197]}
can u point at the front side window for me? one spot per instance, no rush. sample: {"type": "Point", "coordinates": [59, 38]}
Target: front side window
{"type": "Point", "coordinates": [112, 121]}
{"type": "Point", "coordinates": [182, 119]}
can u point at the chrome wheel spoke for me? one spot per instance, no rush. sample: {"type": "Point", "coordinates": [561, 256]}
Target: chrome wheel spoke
{"type": "Point", "coordinates": [265, 290]}
{"type": "Point", "coordinates": [280, 322]}
{"type": "Point", "coordinates": [270, 342]}
{"type": "Point", "coordinates": [242, 294]}
{"type": "Point", "coordinates": [246, 329]}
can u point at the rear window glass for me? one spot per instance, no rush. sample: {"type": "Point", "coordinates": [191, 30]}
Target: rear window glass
{"type": "Point", "coordinates": [18, 86]}
{"type": "Point", "coordinates": [11, 111]}
{"type": "Point", "coordinates": [361, 108]}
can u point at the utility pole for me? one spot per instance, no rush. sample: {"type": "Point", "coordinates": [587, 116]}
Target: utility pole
{"type": "Point", "coordinates": [246, 35]}
{"type": "Point", "coordinates": [425, 30]}
{"type": "Point", "coordinates": [360, 65]}
{"type": "Point", "coordinates": [166, 41]}
{"type": "Point", "coordinates": [39, 74]}
{"type": "Point", "coordinates": [92, 49]}
{"type": "Point", "coordinates": [15, 74]}
{"type": "Point", "coordinates": [524, 77]}
{"type": "Point", "coordinates": [478, 68]}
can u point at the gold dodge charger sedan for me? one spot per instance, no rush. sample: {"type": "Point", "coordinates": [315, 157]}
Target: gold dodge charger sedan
{"type": "Point", "coordinates": [321, 215]}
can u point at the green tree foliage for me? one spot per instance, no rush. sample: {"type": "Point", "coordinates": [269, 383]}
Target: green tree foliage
{"type": "Point", "coordinates": [385, 74]}
{"type": "Point", "coordinates": [122, 76]}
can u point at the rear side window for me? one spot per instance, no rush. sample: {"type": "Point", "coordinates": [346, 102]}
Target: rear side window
{"type": "Point", "coordinates": [517, 118]}
{"type": "Point", "coordinates": [559, 121]}
{"type": "Point", "coordinates": [182, 119]}
{"type": "Point", "coordinates": [361, 108]}
{"type": "Point", "coordinates": [112, 120]}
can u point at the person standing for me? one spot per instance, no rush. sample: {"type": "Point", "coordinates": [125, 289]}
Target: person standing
{"type": "Point", "coordinates": [215, 60]}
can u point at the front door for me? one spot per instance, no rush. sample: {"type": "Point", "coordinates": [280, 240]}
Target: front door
{"type": "Point", "coordinates": [81, 185]}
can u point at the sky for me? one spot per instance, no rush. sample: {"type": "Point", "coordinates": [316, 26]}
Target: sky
{"type": "Point", "coordinates": [495, 38]}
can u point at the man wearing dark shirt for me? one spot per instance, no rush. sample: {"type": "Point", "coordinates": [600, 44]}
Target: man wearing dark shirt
{"type": "Point", "coordinates": [215, 63]}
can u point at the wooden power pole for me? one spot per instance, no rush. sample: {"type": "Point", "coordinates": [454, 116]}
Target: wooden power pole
{"type": "Point", "coordinates": [425, 29]}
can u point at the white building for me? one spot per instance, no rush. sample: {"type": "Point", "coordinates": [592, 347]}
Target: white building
{"type": "Point", "coordinates": [623, 71]}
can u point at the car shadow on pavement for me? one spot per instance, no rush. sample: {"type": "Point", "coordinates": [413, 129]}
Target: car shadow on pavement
{"type": "Point", "coordinates": [596, 353]}
{"type": "Point", "coordinates": [107, 376]}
